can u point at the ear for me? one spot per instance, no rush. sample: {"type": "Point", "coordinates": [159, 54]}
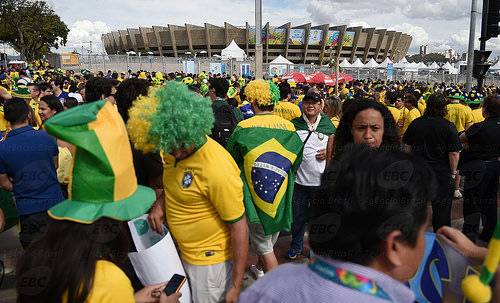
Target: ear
{"type": "Point", "coordinates": [393, 249]}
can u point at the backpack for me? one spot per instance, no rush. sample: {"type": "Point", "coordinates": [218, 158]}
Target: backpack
{"type": "Point", "coordinates": [225, 123]}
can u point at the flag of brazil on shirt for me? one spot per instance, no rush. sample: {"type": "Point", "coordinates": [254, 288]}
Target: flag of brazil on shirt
{"type": "Point", "coordinates": [268, 152]}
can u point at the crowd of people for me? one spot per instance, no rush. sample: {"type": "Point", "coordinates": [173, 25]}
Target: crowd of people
{"type": "Point", "coordinates": [227, 163]}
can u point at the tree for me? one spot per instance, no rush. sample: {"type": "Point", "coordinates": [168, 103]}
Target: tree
{"type": "Point", "coordinates": [439, 58]}
{"type": "Point", "coordinates": [31, 27]}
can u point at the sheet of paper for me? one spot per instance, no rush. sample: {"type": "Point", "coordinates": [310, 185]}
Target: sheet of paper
{"type": "Point", "coordinates": [157, 258]}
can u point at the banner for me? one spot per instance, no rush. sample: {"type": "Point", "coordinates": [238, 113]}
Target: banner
{"type": "Point", "coordinates": [297, 36]}
{"type": "Point", "coordinates": [277, 36]}
{"type": "Point", "coordinates": [245, 70]}
{"type": "Point", "coordinates": [315, 36]}
{"type": "Point", "coordinates": [348, 39]}
{"type": "Point", "coordinates": [217, 68]}
{"type": "Point", "coordinates": [390, 71]}
{"type": "Point", "coordinates": [277, 70]}
{"type": "Point", "coordinates": [188, 67]}
{"type": "Point", "coordinates": [440, 273]}
{"type": "Point", "coordinates": [332, 38]}
{"type": "Point", "coordinates": [251, 35]}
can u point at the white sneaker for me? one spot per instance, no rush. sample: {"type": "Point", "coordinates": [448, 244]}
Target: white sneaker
{"type": "Point", "coordinates": [256, 272]}
{"type": "Point", "coordinates": [457, 194]}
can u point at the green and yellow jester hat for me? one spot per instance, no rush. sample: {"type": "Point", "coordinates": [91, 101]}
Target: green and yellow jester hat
{"type": "Point", "coordinates": [103, 181]}
{"type": "Point", "coordinates": [169, 118]}
{"type": "Point", "coordinates": [264, 93]}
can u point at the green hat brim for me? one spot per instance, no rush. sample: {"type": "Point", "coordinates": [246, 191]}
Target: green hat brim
{"type": "Point", "coordinates": [122, 210]}
{"type": "Point", "coordinates": [456, 97]}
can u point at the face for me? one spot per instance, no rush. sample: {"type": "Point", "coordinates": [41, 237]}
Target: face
{"type": "Point", "coordinates": [399, 103]}
{"type": "Point", "coordinates": [182, 153]}
{"type": "Point", "coordinates": [44, 111]}
{"type": "Point", "coordinates": [412, 256]}
{"type": "Point", "coordinates": [45, 92]}
{"type": "Point", "coordinates": [35, 93]}
{"type": "Point", "coordinates": [368, 128]}
{"type": "Point", "coordinates": [312, 108]}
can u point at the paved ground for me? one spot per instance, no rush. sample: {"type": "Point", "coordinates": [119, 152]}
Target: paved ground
{"type": "Point", "coordinates": [10, 250]}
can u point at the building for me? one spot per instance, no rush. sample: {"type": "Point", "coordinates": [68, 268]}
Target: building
{"type": "Point", "coordinates": [300, 44]}
{"type": "Point", "coordinates": [423, 50]}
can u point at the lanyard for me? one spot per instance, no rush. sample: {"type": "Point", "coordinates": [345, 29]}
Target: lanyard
{"type": "Point", "coordinates": [348, 279]}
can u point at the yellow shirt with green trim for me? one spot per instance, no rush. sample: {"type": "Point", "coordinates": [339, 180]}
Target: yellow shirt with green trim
{"type": "Point", "coordinates": [477, 115]}
{"type": "Point", "coordinates": [203, 193]}
{"type": "Point", "coordinates": [110, 285]}
{"type": "Point", "coordinates": [287, 110]}
{"type": "Point", "coordinates": [412, 115]}
{"type": "Point", "coordinates": [394, 112]}
{"type": "Point", "coordinates": [459, 114]}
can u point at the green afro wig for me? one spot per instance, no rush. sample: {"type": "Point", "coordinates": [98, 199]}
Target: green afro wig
{"type": "Point", "coordinates": [182, 119]}
{"type": "Point", "coordinates": [275, 92]}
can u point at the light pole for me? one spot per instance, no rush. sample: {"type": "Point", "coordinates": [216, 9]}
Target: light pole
{"type": "Point", "coordinates": [258, 39]}
{"type": "Point", "coordinates": [472, 37]}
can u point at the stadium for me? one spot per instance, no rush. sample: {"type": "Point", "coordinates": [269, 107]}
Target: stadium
{"type": "Point", "coordinates": [304, 44]}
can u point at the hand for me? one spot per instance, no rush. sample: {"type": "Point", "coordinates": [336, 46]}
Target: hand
{"type": "Point", "coordinates": [150, 293]}
{"type": "Point", "coordinates": [173, 298]}
{"type": "Point", "coordinates": [2, 220]}
{"type": "Point", "coordinates": [321, 154]}
{"type": "Point", "coordinates": [457, 239]}
{"type": "Point", "coordinates": [156, 216]}
{"type": "Point", "coordinates": [232, 295]}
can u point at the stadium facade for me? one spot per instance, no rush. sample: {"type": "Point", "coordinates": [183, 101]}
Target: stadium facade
{"type": "Point", "coordinates": [300, 44]}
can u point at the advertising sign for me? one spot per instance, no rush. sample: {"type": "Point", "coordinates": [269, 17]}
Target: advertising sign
{"type": "Point", "coordinates": [332, 38]}
{"type": "Point", "coordinates": [297, 36]}
{"type": "Point", "coordinates": [348, 39]}
{"type": "Point", "coordinates": [277, 36]}
{"type": "Point", "coordinates": [315, 36]}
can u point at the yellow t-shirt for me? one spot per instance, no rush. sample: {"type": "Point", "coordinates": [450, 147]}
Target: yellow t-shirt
{"type": "Point", "coordinates": [477, 115]}
{"type": "Point", "coordinates": [4, 125]}
{"type": "Point", "coordinates": [64, 167]}
{"type": "Point", "coordinates": [110, 285]}
{"type": "Point", "coordinates": [459, 114]}
{"type": "Point", "coordinates": [202, 193]}
{"type": "Point", "coordinates": [422, 106]}
{"type": "Point", "coordinates": [412, 115]}
{"type": "Point", "coordinates": [394, 112]}
{"type": "Point", "coordinates": [38, 120]}
{"type": "Point", "coordinates": [287, 110]}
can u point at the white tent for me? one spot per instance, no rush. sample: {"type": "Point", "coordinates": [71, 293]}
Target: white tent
{"type": "Point", "coordinates": [371, 64]}
{"type": "Point", "coordinates": [422, 66]}
{"type": "Point", "coordinates": [434, 66]}
{"type": "Point", "coordinates": [345, 64]}
{"type": "Point", "coordinates": [384, 63]}
{"type": "Point", "coordinates": [279, 66]}
{"type": "Point", "coordinates": [233, 51]}
{"type": "Point", "coordinates": [402, 64]}
{"type": "Point", "coordinates": [447, 65]}
{"type": "Point", "coordinates": [358, 64]}
{"type": "Point", "coordinates": [411, 67]}
{"type": "Point", "coordinates": [496, 66]}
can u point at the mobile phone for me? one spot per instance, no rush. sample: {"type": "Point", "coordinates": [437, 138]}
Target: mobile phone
{"type": "Point", "coordinates": [175, 284]}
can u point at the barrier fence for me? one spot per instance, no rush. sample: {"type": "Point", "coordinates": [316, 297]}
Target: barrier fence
{"type": "Point", "coordinates": [122, 63]}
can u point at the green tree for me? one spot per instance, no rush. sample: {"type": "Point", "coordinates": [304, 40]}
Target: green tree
{"type": "Point", "coordinates": [31, 27]}
{"type": "Point", "coordinates": [439, 58]}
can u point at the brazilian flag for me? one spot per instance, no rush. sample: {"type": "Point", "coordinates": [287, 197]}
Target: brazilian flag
{"type": "Point", "coordinates": [268, 152]}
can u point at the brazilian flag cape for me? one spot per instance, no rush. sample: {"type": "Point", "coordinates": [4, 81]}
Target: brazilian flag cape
{"type": "Point", "coordinates": [268, 152]}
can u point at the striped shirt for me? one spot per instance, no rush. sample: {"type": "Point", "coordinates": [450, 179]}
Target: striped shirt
{"type": "Point", "coordinates": [298, 283]}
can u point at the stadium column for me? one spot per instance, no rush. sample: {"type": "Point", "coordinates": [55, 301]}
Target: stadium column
{"type": "Point", "coordinates": [171, 29]}
{"type": "Point", "coordinates": [357, 31]}
{"type": "Point", "coordinates": [287, 33]}
{"type": "Point", "coordinates": [369, 39]}
{"type": "Point", "coordinates": [395, 44]}
{"type": "Point", "coordinates": [342, 29]}
{"type": "Point", "coordinates": [156, 30]}
{"type": "Point", "coordinates": [144, 34]}
{"type": "Point", "coordinates": [207, 40]}
{"type": "Point", "coordinates": [381, 35]}
{"type": "Point", "coordinates": [324, 39]}
{"type": "Point", "coordinates": [247, 39]}
{"type": "Point", "coordinates": [190, 41]}
{"type": "Point", "coordinates": [390, 38]}
{"type": "Point", "coordinates": [123, 39]}
{"type": "Point", "coordinates": [131, 33]}
{"type": "Point", "coordinates": [306, 42]}
{"type": "Point", "coordinates": [116, 39]}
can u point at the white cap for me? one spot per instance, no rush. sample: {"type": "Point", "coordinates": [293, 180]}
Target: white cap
{"type": "Point", "coordinates": [77, 96]}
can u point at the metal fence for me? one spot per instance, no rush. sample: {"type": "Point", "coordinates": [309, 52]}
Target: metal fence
{"type": "Point", "coordinates": [122, 63]}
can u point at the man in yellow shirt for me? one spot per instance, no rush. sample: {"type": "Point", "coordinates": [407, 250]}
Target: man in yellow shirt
{"type": "Point", "coordinates": [203, 193]}
{"type": "Point", "coordinates": [474, 100]}
{"type": "Point", "coordinates": [390, 101]}
{"type": "Point", "coordinates": [286, 109]}
{"type": "Point", "coordinates": [458, 113]}
{"type": "Point", "coordinates": [410, 103]}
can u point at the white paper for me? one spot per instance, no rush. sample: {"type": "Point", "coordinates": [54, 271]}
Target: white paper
{"type": "Point", "coordinates": [157, 259]}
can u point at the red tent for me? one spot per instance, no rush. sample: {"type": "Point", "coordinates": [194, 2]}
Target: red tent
{"type": "Point", "coordinates": [343, 78]}
{"type": "Point", "coordinates": [318, 78]}
{"type": "Point", "coordinates": [295, 76]}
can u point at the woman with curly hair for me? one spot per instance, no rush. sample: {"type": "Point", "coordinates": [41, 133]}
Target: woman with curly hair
{"type": "Point", "coordinates": [366, 122]}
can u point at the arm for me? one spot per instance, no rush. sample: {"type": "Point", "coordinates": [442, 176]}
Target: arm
{"type": "Point", "coordinates": [329, 149]}
{"type": "Point", "coordinates": [56, 161]}
{"type": "Point", "coordinates": [239, 244]}
{"type": "Point", "coordinates": [156, 216]}
{"type": "Point", "coordinates": [5, 182]}
{"type": "Point", "coordinates": [2, 220]}
{"type": "Point", "coordinates": [453, 158]}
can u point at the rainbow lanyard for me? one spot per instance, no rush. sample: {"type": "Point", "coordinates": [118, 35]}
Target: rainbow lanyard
{"type": "Point", "coordinates": [348, 279]}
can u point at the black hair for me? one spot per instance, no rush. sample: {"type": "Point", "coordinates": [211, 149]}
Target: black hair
{"type": "Point", "coordinates": [410, 98]}
{"type": "Point", "coordinates": [43, 86]}
{"type": "Point", "coordinates": [68, 266]}
{"type": "Point", "coordinates": [220, 85]}
{"type": "Point", "coordinates": [16, 110]}
{"type": "Point", "coordinates": [233, 102]}
{"type": "Point", "coordinates": [436, 106]}
{"type": "Point", "coordinates": [333, 106]}
{"type": "Point", "coordinates": [392, 96]}
{"type": "Point", "coordinates": [365, 195]}
{"type": "Point", "coordinates": [127, 92]}
{"type": "Point", "coordinates": [97, 87]}
{"type": "Point", "coordinates": [285, 90]}
{"type": "Point", "coordinates": [53, 102]}
{"type": "Point", "coordinates": [343, 135]}
{"type": "Point", "coordinates": [491, 106]}
{"type": "Point", "coordinates": [70, 102]}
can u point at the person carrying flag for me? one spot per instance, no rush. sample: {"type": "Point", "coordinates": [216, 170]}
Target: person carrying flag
{"type": "Point", "coordinates": [268, 152]}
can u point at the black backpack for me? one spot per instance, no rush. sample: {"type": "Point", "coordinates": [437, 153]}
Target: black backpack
{"type": "Point", "coordinates": [225, 123]}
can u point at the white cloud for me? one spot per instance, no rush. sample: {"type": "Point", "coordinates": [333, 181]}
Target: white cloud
{"type": "Point", "coordinates": [83, 31]}
{"type": "Point", "coordinates": [359, 23]}
{"type": "Point", "coordinates": [420, 36]}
